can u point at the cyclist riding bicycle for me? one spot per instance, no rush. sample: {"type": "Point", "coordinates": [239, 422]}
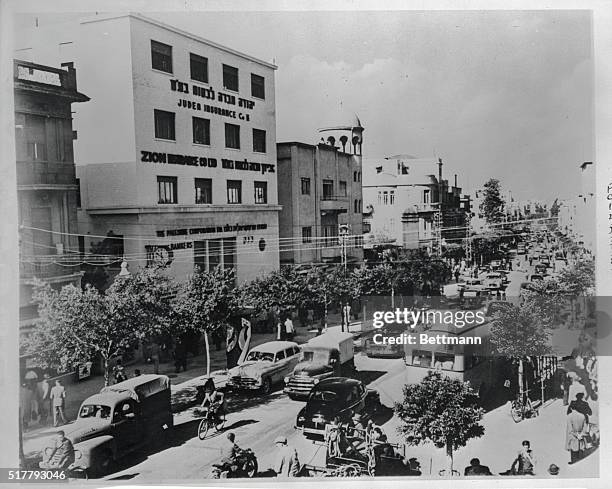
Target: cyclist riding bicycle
{"type": "Point", "coordinates": [214, 400]}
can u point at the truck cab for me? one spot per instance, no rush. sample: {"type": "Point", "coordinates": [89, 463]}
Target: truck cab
{"type": "Point", "coordinates": [121, 419]}
{"type": "Point", "coordinates": [328, 355]}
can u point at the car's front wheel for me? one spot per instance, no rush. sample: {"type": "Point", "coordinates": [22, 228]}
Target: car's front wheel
{"type": "Point", "coordinates": [266, 385]}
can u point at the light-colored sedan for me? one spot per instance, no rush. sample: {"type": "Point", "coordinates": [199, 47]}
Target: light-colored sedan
{"type": "Point", "coordinates": [264, 366]}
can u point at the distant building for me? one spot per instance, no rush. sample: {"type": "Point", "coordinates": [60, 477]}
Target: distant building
{"type": "Point", "coordinates": [319, 189]}
{"type": "Point", "coordinates": [577, 215]}
{"type": "Point", "coordinates": [46, 181]}
{"type": "Point", "coordinates": [402, 195]}
{"type": "Point", "coordinates": [177, 150]}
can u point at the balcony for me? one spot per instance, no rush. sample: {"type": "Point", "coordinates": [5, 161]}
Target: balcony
{"type": "Point", "coordinates": [334, 203]}
{"type": "Point", "coordinates": [426, 207]}
{"type": "Point", "coordinates": [45, 173]}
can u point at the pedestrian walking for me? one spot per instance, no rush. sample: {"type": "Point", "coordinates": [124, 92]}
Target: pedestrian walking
{"type": "Point", "coordinates": [289, 329]}
{"type": "Point", "coordinates": [565, 386]}
{"type": "Point", "coordinates": [576, 429]}
{"type": "Point", "coordinates": [119, 372]}
{"type": "Point", "coordinates": [154, 356]}
{"type": "Point", "coordinates": [58, 401]}
{"type": "Point", "coordinates": [280, 330]}
{"type": "Point", "coordinates": [287, 461]}
{"type": "Point", "coordinates": [180, 356]}
{"type": "Point", "coordinates": [457, 272]}
{"type": "Point", "coordinates": [45, 400]}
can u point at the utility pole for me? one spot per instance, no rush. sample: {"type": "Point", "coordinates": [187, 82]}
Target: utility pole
{"type": "Point", "coordinates": [468, 239]}
{"type": "Point", "coordinates": [343, 231]}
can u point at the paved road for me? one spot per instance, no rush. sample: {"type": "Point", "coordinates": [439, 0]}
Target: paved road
{"type": "Point", "coordinates": [256, 426]}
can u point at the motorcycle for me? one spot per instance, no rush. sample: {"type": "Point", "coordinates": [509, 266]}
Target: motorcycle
{"type": "Point", "coordinates": [245, 466]}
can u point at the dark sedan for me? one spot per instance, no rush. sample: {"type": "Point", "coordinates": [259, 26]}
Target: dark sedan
{"type": "Point", "coordinates": [336, 396]}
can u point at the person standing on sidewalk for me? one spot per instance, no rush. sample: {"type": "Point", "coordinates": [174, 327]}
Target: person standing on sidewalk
{"type": "Point", "coordinates": [575, 433]}
{"type": "Point", "coordinates": [58, 401]}
{"type": "Point", "coordinates": [289, 329]}
{"type": "Point", "coordinates": [45, 400]}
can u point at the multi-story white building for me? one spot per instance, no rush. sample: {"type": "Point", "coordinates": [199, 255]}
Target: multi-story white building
{"type": "Point", "coordinates": [176, 152]}
{"type": "Point", "coordinates": [402, 195]}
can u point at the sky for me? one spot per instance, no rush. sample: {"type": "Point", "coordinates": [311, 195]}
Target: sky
{"type": "Point", "coordinates": [503, 94]}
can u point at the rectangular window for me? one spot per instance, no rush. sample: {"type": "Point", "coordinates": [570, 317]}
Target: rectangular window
{"type": "Point", "coordinates": [261, 192]}
{"type": "Point", "coordinates": [259, 141]}
{"type": "Point", "coordinates": [164, 125]}
{"type": "Point", "coordinates": [234, 192]}
{"type": "Point", "coordinates": [230, 78]}
{"type": "Point", "coordinates": [214, 253]}
{"type": "Point", "coordinates": [305, 186]}
{"type": "Point", "coordinates": [385, 198]}
{"type": "Point", "coordinates": [426, 197]}
{"type": "Point", "coordinates": [330, 236]}
{"type": "Point", "coordinates": [328, 189]}
{"type": "Point", "coordinates": [78, 192]}
{"type": "Point", "coordinates": [342, 188]}
{"type": "Point", "coordinates": [60, 140]}
{"type": "Point", "coordinates": [201, 130]}
{"type": "Point", "coordinates": [203, 191]}
{"type": "Point", "coordinates": [198, 67]}
{"type": "Point", "coordinates": [258, 86]}
{"type": "Point", "coordinates": [166, 188]}
{"type": "Point", "coordinates": [392, 197]}
{"type": "Point", "coordinates": [307, 234]}
{"type": "Point", "coordinates": [232, 136]}
{"type": "Point", "coordinates": [161, 56]}
{"type": "Point", "coordinates": [36, 137]}
{"type": "Point", "coordinates": [229, 253]}
{"type": "Point", "coordinates": [200, 255]}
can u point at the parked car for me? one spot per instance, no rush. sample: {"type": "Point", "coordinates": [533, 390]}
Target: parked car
{"type": "Point", "coordinates": [265, 365]}
{"type": "Point", "coordinates": [535, 277]}
{"type": "Point", "coordinates": [120, 419]}
{"type": "Point", "coordinates": [472, 284]}
{"type": "Point", "coordinates": [493, 281]}
{"type": "Point", "coordinates": [337, 396]}
{"type": "Point", "coordinates": [495, 264]}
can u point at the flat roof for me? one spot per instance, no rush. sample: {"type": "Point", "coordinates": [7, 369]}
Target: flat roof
{"type": "Point", "coordinates": [182, 33]}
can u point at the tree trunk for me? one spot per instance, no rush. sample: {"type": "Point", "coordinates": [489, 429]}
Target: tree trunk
{"type": "Point", "coordinates": [449, 458]}
{"type": "Point", "coordinates": [207, 354]}
{"type": "Point", "coordinates": [106, 372]}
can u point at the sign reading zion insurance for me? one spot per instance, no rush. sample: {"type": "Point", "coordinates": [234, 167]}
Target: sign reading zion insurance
{"type": "Point", "coordinates": [190, 160]}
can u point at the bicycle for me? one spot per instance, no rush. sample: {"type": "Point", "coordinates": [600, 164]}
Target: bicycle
{"type": "Point", "coordinates": [521, 409]}
{"type": "Point", "coordinates": [210, 419]}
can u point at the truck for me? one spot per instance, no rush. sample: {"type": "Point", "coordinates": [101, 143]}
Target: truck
{"type": "Point", "coordinates": [120, 419]}
{"type": "Point", "coordinates": [328, 355]}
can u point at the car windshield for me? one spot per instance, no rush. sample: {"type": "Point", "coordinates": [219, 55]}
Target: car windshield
{"type": "Point", "coordinates": [95, 411]}
{"type": "Point", "coordinates": [317, 356]}
{"type": "Point", "coordinates": [323, 396]}
{"type": "Point", "coordinates": [260, 356]}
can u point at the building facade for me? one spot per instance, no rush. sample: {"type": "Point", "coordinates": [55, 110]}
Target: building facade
{"type": "Point", "coordinates": [321, 199]}
{"type": "Point", "coordinates": [402, 198]}
{"type": "Point", "coordinates": [46, 180]}
{"type": "Point", "coordinates": [176, 154]}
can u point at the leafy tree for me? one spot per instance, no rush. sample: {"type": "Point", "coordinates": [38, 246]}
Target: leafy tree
{"type": "Point", "coordinates": [205, 302]}
{"type": "Point", "coordinates": [492, 204]}
{"type": "Point", "coordinates": [440, 410]}
{"type": "Point", "coordinates": [554, 208]}
{"type": "Point", "coordinates": [327, 287]}
{"type": "Point", "coordinates": [77, 325]}
{"type": "Point", "coordinates": [545, 298]}
{"type": "Point", "coordinates": [519, 332]}
{"type": "Point", "coordinates": [578, 279]}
